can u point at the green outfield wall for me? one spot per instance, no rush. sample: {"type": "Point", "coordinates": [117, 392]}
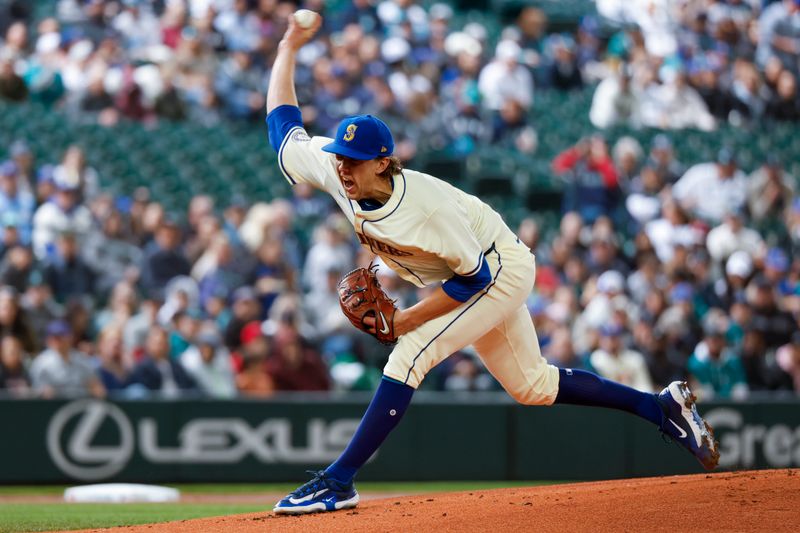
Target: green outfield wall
{"type": "Point", "coordinates": [474, 437]}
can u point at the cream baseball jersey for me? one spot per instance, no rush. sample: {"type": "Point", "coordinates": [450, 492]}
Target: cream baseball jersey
{"type": "Point", "coordinates": [427, 231]}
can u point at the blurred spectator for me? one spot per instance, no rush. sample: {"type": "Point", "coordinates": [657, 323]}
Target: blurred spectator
{"type": "Point", "coordinates": [14, 377]}
{"type": "Point", "coordinates": [138, 326]}
{"type": "Point", "coordinates": [78, 314]}
{"type": "Point", "coordinates": [322, 307]}
{"type": "Point", "coordinates": [109, 254]}
{"type": "Point", "coordinates": [45, 187]}
{"type": "Point", "coordinates": [662, 362]}
{"type": "Point", "coordinates": [12, 86]}
{"type": "Point", "coordinates": [96, 99]}
{"type": "Point", "coordinates": [784, 105]}
{"type": "Point", "coordinates": [769, 190]}
{"type": "Point", "coordinates": [662, 158]}
{"type": "Point", "coordinates": [40, 308]}
{"type": "Point", "coordinates": [137, 27]}
{"type": "Point", "coordinates": [738, 269]}
{"type": "Point", "coordinates": [121, 305]}
{"type": "Point", "coordinates": [599, 309]}
{"type": "Point", "coordinates": [511, 128]}
{"type": "Point", "coordinates": [61, 215]}
{"type": "Point", "coordinates": [564, 72]}
{"type": "Point", "coordinates": [715, 369]}
{"type": "Point", "coordinates": [616, 362]}
{"type": "Point", "coordinates": [16, 205]}
{"type": "Point", "coordinates": [253, 379]}
{"type": "Point", "coordinates": [209, 363]}
{"type": "Point", "coordinates": [773, 323]}
{"type": "Point", "coordinates": [169, 103]}
{"type": "Point", "coordinates": [331, 248]}
{"type": "Point", "coordinates": [201, 226]}
{"type": "Point", "coordinates": [788, 359]}
{"type": "Point", "coordinates": [223, 275]}
{"type": "Point", "coordinates": [74, 173]}
{"type": "Point", "coordinates": [670, 231]}
{"type": "Point", "coordinates": [183, 329]}
{"type": "Point", "coordinates": [163, 258]}
{"type": "Point", "coordinates": [13, 319]}
{"type": "Point", "coordinates": [778, 34]}
{"type": "Point", "coordinates": [293, 365]}
{"type": "Point", "coordinates": [42, 74]}
{"type": "Point", "coordinates": [272, 274]}
{"type": "Point", "coordinates": [66, 273]}
{"type": "Point", "coordinates": [602, 255]}
{"type": "Point", "coordinates": [246, 309]}
{"type": "Point", "coordinates": [114, 369]}
{"type": "Point", "coordinates": [592, 188]}
{"type": "Point", "coordinates": [627, 156]}
{"type": "Point", "coordinates": [241, 86]}
{"type": "Point", "coordinates": [505, 78]}
{"type": "Point", "coordinates": [157, 372]}
{"type": "Point", "coordinates": [721, 186]}
{"type": "Point", "coordinates": [747, 91]}
{"type": "Point", "coordinates": [238, 26]}
{"type": "Point", "coordinates": [616, 102]}
{"type": "Point", "coordinates": [467, 375]}
{"type": "Point", "coordinates": [674, 104]}
{"type": "Point", "coordinates": [644, 201]}
{"type": "Point", "coordinates": [22, 156]}
{"type": "Point", "coordinates": [760, 366]}
{"type": "Point", "coordinates": [560, 351]}
{"type": "Point", "coordinates": [732, 235]}
{"type": "Point", "coordinates": [17, 267]}
{"type": "Point", "coordinates": [61, 370]}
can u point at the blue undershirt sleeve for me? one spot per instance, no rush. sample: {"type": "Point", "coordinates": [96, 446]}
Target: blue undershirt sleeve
{"type": "Point", "coordinates": [462, 288]}
{"type": "Point", "coordinates": [280, 122]}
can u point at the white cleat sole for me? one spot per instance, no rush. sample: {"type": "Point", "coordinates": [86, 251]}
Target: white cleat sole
{"type": "Point", "coordinates": [317, 507]}
{"type": "Point", "coordinates": [702, 433]}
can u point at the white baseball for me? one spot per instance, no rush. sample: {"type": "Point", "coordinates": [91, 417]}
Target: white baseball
{"type": "Point", "coordinates": [305, 18]}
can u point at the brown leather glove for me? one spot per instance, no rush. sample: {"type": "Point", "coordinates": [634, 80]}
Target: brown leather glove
{"type": "Point", "coordinates": [361, 296]}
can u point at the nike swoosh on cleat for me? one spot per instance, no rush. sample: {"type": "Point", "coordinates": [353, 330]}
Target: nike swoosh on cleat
{"type": "Point", "coordinates": [306, 498]}
{"type": "Point", "coordinates": [683, 432]}
{"type": "Point", "coordinates": [385, 328]}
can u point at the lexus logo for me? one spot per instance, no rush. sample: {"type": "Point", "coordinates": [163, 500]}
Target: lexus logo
{"type": "Point", "coordinates": [72, 436]}
{"type": "Point", "coordinates": [79, 458]}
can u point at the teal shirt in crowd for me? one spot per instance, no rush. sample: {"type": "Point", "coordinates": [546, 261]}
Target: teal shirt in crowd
{"type": "Point", "coordinates": [721, 375]}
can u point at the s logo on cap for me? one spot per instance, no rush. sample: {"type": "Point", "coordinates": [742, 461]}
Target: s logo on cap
{"type": "Point", "coordinates": [351, 133]}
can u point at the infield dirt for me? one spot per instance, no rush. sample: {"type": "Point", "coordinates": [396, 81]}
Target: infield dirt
{"type": "Point", "coordinates": [729, 501]}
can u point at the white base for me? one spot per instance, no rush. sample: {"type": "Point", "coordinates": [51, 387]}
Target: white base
{"type": "Point", "coordinates": [121, 493]}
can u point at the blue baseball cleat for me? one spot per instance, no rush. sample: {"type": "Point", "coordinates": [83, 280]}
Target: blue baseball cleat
{"type": "Point", "coordinates": [684, 424]}
{"type": "Point", "coordinates": [320, 494]}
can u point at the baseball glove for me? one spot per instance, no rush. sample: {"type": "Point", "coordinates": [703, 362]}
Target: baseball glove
{"type": "Point", "coordinates": [361, 296]}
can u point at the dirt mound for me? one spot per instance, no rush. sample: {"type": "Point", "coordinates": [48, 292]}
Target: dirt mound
{"type": "Point", "coordinates": [738, 501]}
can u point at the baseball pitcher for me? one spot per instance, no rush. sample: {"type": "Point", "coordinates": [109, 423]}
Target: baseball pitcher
{"type": "Point", "coordinates": [428, 232]}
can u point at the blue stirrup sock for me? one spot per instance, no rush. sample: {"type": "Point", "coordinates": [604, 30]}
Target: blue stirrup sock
{"type": "Point", "coordinates": [383, 414]}
{"type": "Point", "coordinates": [578, 387]}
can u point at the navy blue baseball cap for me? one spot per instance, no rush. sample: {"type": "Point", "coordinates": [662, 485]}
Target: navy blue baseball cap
{"type": "Point", "coordinates": [58, 328]}
{"type": "Point", "coordinates": [362, 137]}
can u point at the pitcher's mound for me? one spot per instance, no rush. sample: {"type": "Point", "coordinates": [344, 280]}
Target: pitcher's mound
{"type": "Point", "coordinates": [767, 500]}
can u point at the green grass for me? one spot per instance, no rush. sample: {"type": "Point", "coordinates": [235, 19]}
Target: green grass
{"type": "Point", "coordinates": [279, 488]}
{"type": "Point", "coordinates": [19, 517]}
{"type": "Point", "coordinates": [56, 516]}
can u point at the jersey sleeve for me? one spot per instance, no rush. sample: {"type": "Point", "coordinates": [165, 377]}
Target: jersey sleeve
{"type": "Point", "coordinates": [449, 237]}
{"type": "Point", "coordinates": [302, 160]}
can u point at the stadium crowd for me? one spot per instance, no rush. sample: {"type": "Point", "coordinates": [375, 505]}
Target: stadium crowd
{"type": "Point", "coordinates": [661, 269]}
{"type": "Point", "coordinates": [432, 75]}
